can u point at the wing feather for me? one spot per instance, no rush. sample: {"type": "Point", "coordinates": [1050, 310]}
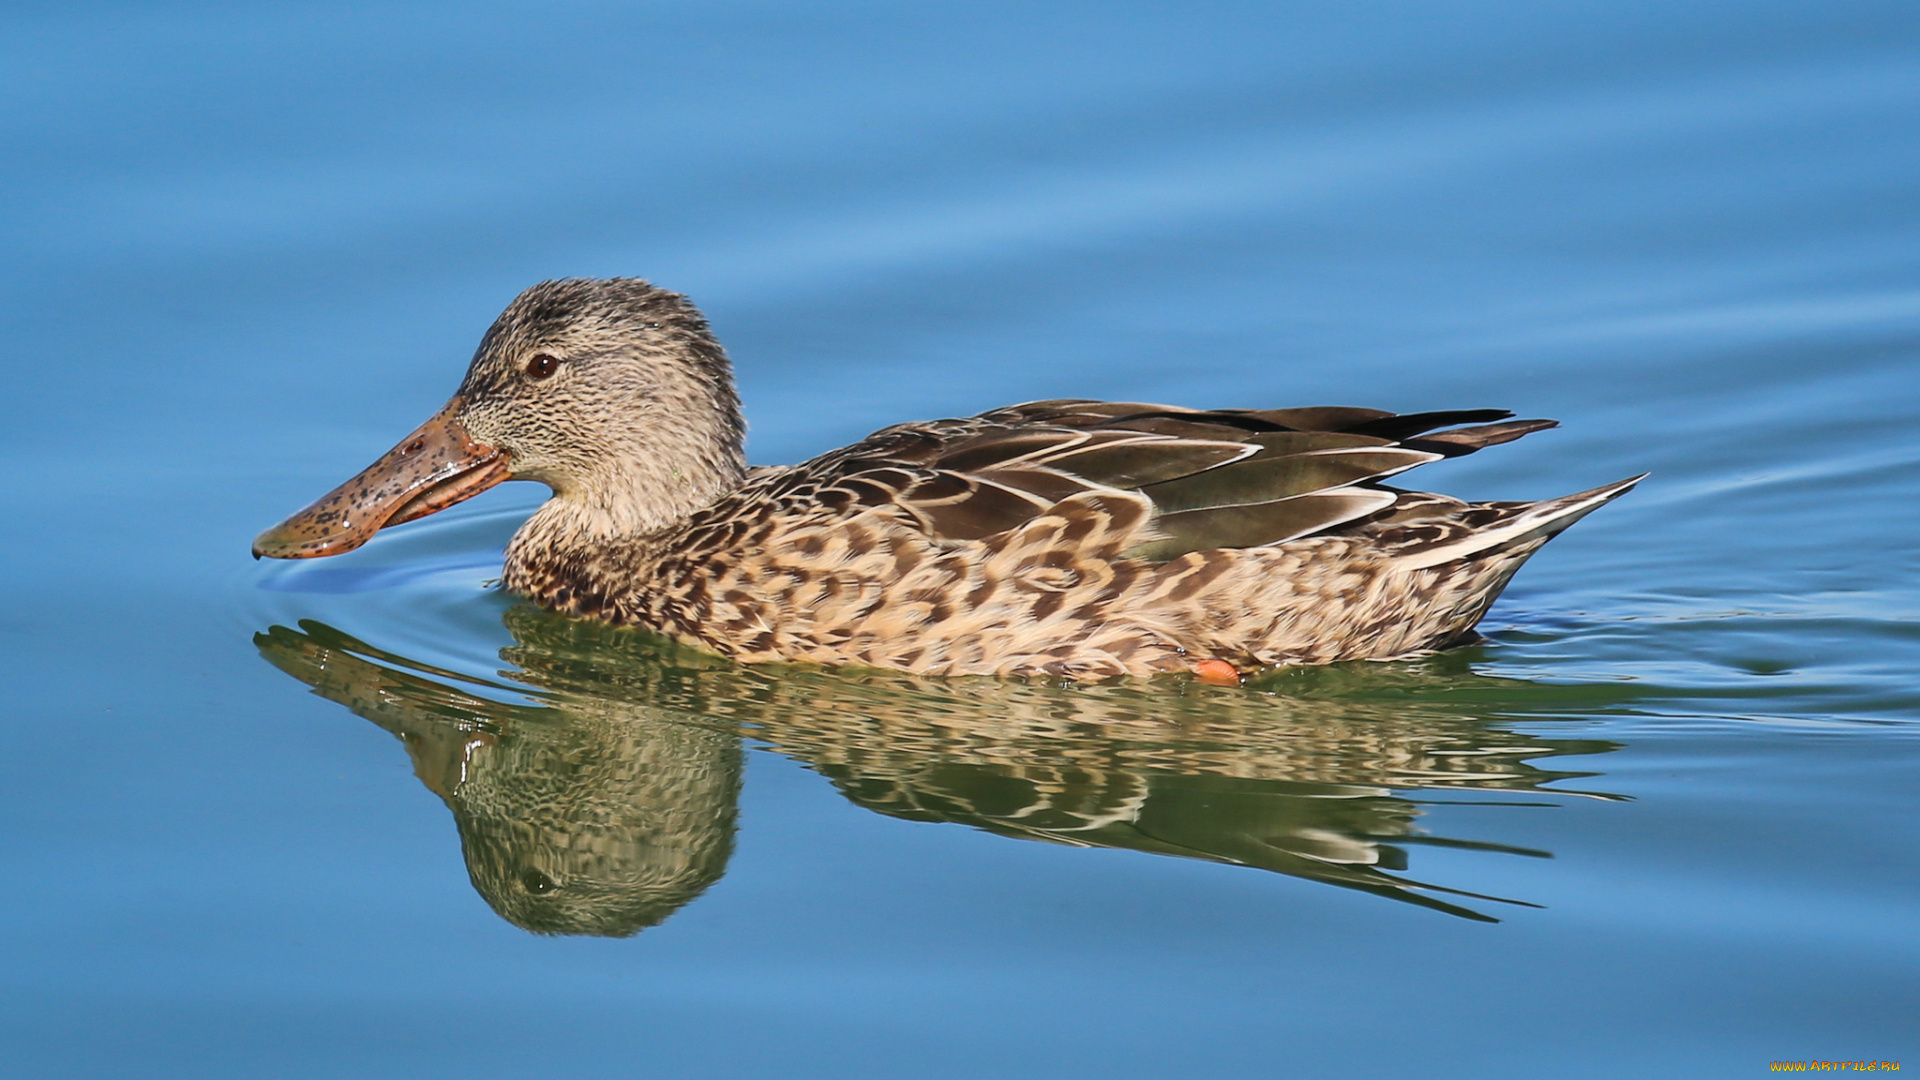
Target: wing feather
{"type": "Point", "coordinates": [1270, 478]}
{"type": "Point", "coordinates": [1138, 462]}
{"type": "Point", "coordinates": [988, 509]}
{"type": "Point", "coordinates": [1258, 524]}
{"type": "Point", "coordinates": [1223, 478]}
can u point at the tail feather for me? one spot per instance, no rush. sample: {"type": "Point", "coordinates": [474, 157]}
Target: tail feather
{"type": "Point", "coordinates": [1539, 521]}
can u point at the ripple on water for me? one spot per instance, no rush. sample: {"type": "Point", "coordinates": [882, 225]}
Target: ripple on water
{"type": "Point", "coordinates": [426, 590]}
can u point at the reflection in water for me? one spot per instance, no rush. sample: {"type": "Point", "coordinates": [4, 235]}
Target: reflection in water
{"type": "Point", "coordinates": [611, 804]}
{"type": "Point", "coordinates": [587, 819]}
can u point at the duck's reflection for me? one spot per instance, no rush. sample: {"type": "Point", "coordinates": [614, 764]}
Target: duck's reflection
{"type": "Point", "coordinates": [611, 804]}
{"type": "Point", "coordinates": [583, 818]}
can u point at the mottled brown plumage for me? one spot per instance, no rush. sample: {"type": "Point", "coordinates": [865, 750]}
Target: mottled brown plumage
{"type": "Point", "coordinates": [1077, 539]}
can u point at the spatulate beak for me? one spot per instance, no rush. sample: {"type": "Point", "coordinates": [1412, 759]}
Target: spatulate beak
{"type": "Point", "coordinates": [433, 468]}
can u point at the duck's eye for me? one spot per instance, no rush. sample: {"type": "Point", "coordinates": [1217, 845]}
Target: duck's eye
{"type": "Point", "coordinates": [542, 365]}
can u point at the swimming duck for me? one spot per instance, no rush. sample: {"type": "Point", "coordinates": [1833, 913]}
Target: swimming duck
{"type": "Point", "coordinates": [1070, 538]}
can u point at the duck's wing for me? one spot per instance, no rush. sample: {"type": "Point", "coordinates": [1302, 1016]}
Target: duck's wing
{"type": "Point", "coordinates": [1222, 478]}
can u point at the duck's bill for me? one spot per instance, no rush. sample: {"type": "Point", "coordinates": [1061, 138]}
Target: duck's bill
{"type": "Point", "coordinates": [433, 468]}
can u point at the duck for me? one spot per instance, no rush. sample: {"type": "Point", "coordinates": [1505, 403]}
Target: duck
{"type": "Point", "coordinates": [1073, 539]}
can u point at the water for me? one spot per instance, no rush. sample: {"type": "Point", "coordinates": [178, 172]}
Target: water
{"type": "Point", "coordinates": [1663, 820]}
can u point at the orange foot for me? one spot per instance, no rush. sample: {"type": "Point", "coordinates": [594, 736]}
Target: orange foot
{"type": "Point", "coordinates": [1216, 672]}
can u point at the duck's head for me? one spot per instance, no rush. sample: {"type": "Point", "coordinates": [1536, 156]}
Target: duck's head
{"type": "Point", "coordinates": [612, 393]}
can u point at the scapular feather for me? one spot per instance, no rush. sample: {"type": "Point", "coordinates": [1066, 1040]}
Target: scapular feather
{"type": "Point", "coordinates": [991, 508]}
{"type": "Point", "coordinates": [1257, 524]}
{"type": "Point", "coordinates": [1197, 426]}
{"type": "Point", "coordinates": [1077, 412]}
{"type": "Point", "coordinates": [1319, 417]}
{"type": "Point", "coordinates": [992, 448]}
{"type": "Point", "coordinates": [1139, 462]}
{"type": "Point", "coordinates": [1301, 442]}
{"type": "Point", "coordinates": [1462, 441]}
{"type": "Point", "coordinates": [1411, 424]}
{"type": "Point", "coordinates": [1267, 478]}
{"type": "Point", "coordinates": [1044, 484]}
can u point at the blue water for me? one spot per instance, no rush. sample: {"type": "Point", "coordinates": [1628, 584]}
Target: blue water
{"type": "Point", "coordinates": [1662, 821]}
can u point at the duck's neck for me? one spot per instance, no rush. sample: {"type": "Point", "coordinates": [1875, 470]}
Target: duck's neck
{"type": "Point", "coordinates": [644, 506]}
{"type": "Point", "coordinates": [628, 502]}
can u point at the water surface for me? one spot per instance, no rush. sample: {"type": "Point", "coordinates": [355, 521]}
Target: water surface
{"type": "Point", "coordinates": [370, 817]}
